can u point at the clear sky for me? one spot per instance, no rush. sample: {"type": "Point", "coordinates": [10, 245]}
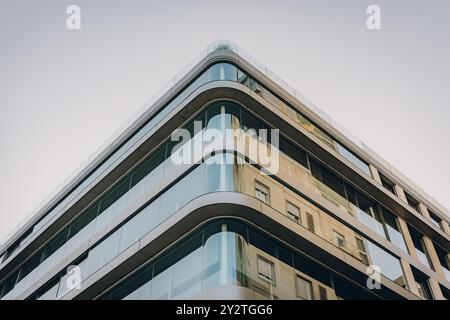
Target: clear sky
{"type": "Point", "coordinates": [62, 92]}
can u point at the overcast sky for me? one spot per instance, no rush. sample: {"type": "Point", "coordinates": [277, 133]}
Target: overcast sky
{"type": "Point", "coordinates": [62, 92]}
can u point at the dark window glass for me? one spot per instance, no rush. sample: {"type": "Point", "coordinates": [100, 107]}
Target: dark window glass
{"type": "Point", "coordinates": [421, 252]}
{"type": "Point", "coordinates": [312, 269]}
{"type": "Point", "coordinates": [293, 152]}
{"type": "Point", "coordinates": [285, 256]}
{"type": "Point", "coordinates": [262, 243]}
{"type": "Point", "coordinates": [30, 265]}
{"type": "Point", "coordinates": [351, 194]}
{"type": "Point", "coordinates": [83, 220]}
{"type": "Point", "coordinates": [390, 219]}
{"type": "Point", "coordinates": [327, 178]}
{"type": "Point", "coordinates": [12, 248]}
{"type": "Point", "coordinates": [249, 122]}
{"type": "Point", "coordinates": [422, 284]}
{"type": "Point", "coordinates": [366, 205]}
{"type": "Point", "coordinates": [148, 166]}
{"type": "Point", "coordinates": [49, 285]}
{"type": "Point", "coordinates": [243, 78]}
{"type": "Point", "coordinates": [412, 202]}
{"type": "Point", "coordinates": [56, 243]}
{"type": "Point", "coordinates": [192, 127]}
{"type": "Point", "coordinates": [416, 237]}
{"type": "Point", "coordinates": [9, 284]}
{"type": "Point", "coordinates": [389, 185]}
{"type": "Point", "coordinates": [435, 219]}
{"type": "Point", "coordinates": [214, 116]}
{"type": "Point", "coordinates": [132, 284]}
{"type": "Point", "coordinates": [115, 194]}
{"type": "Point", "coordinates": [445, 292]}
{"type": "Point", "coordinates": [350, 291]}
{"type": "Point", "coordinates": [236, 227]}
{"type": "Point", "coordinates": [442, 255]}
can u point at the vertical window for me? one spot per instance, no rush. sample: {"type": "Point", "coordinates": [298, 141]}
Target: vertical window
{"type": "Point", "coordinates": [413, 203]}
{"type": "Point", "coordinates": [83, 220]}
{"type": "Point", "coordinates": [223, 71]}
{"type": "Point", "coordinates": [262, 192]}
{"type": "Point", "coordinates": [423, 291]}
{"type": "Point", "coordinates": [339, 239]}
{"type": "Point", "coordinates": [9, 284]}
{"type": "Point", "coordinates": [243, 78]}
{"type": "Point", "coordinates": [266, 270]}
{"type": "Point", "coordinates": [310, 222]}
{"type": "Point", "coordinates": [12, 249]}
{"type": "Point", "coordinates": [422, 284]}
{"type": "Point", "coordinates": [293, 212]}
{"type": "Point", "coordinates": [366, 205]}
{"type": "Point", "coordinates": [115, 194]}
{"type": "Point", "coordinates": [443, 259]}
{"type": "Point", "coordinates": [304, 289]}
{"type": "Point", "coordinates": [421, 252]}
{"type": "Point", "coordinates": [445, 292]}
{"type": "Point", "coordinates": [387, 184]}
{"type": "Point", "coordinates": [328, 178]}
{"type": "Point", "coordinates": [393, 229]}
{"type": "Point", "coordinates": [435, 219]}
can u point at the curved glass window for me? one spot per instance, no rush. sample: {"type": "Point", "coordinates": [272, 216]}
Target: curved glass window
{"type": "Point", "coordinates": [141, 183]}
{"type": "Point", "coordinates": [216, 72]}
{"type": "Point", "coordinates": [233, 254]}
{"type": "Point", "coordinates": [222, 71]}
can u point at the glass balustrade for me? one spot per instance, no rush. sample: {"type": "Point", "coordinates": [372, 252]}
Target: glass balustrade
{"type": "Point", "coordinates": [216, 72]}
{"type": "Point", "coordinates": [208, 178]}
{"type": "Point", "coordinates": [146, 187]}
{"type": "Point", "coordinates": [231, 254]}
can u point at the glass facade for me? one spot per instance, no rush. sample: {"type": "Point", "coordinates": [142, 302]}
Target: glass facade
{"type": "Point", "coordinates": [216, 72]}
{"type": "Point", "coordinates": [419, 246]}
{"type": "Point", "coordinates": [140, 183]}
{"type": "Point", "coordinates": [231, 253]}
{"type": "Point", "coordinates": [444, 260]}
{"type": "Point", "coordinates": [238, 178]}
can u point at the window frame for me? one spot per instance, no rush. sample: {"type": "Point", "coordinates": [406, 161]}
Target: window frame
{"type": "Point", "coordinates": [340, 238]}
{"type": "Point", "coordinates": [296, 218]}
{"type": "Point", "coordinates": [258, 187]}
{"type": "Point", "coordinates": [297, 286]}
{"type": "Point", "coordinates": [271, 266]}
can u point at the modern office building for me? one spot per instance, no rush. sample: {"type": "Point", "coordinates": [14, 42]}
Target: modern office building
{"type": "Point", "coordinates": [333, 221]}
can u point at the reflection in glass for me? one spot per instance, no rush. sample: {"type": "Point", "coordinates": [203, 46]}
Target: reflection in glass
{"type": "Point", "coordinates": [221, 253]}
{"type": "Point", "coordinates": [218, 71]}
